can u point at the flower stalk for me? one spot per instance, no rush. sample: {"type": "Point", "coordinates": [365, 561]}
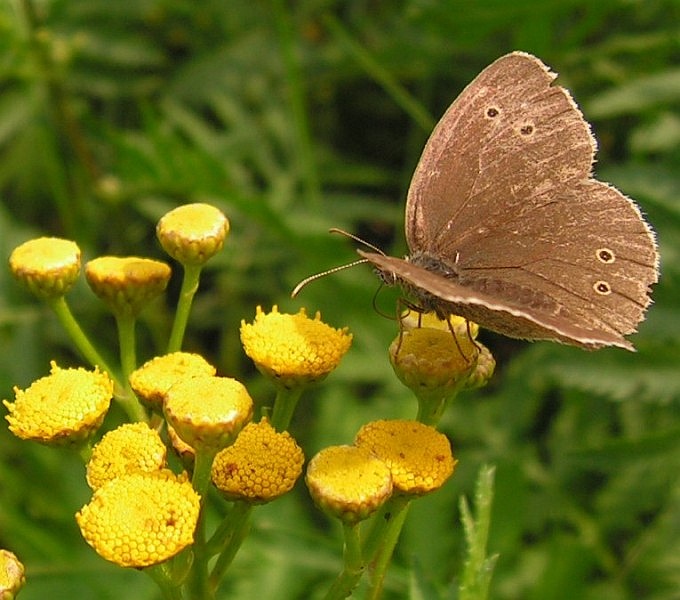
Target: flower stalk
{"type": "Point", "coordinates": [353, 562]}
{"type": "Point", "coordinates": [63, 312]}
{"type": "Point", "coordinates": [190, 282]}
{"type": "Point", "coordinates": [381, 548]}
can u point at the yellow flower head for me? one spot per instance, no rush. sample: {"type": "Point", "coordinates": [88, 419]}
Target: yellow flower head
{"type": "Point", "coordinates": [260, 466]}
{"type": "Point", "coordinates": [141, 519]}
{"type": "Point", "coordinates": [208, 412]}
{"type": "Point", "coordinates": [12, 575]}
{"type": "Point", "coordinates": [47, 266]}
{"type": "Point", "coordinates": [348, 482]}
{"type": "Point", "coordinates": [430, 358]}
{"type": "Point", "coordinates": [193, 233]}
{"type": "Point", "coordinates": [154, 378]}
{"type": "Point", "coordinates": [293, 350]}
{"type": "Point", "coordinates": [127, 284]}
{"type": "Point", "coordinates": [127, 449]}
{"type": "Point", "coordinates": [64, 407]}
{"type": "Point", "coordinates": [418, 456]}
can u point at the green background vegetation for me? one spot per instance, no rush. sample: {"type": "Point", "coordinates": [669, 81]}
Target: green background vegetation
{"type": "Point", "coordinates": [294, 118]}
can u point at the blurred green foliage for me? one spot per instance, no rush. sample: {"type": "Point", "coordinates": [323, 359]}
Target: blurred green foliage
{"type": "Point", "coordinates": [300, 116]}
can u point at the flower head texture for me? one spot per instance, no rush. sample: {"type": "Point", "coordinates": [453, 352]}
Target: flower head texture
{"type": "Point", "coordinates": [261, 465]}
{"type": "Point", "coordinates": [418, 456]}
{"type": "Point", "coordinates": [348, 482]}
{"type": "Point", "coordinates": [67, 406]}
{"type": "Point", "coordinates": [127, 449]}
{"type": "Point", "coordinates": [293, 350]}
{"type": "Point", "coordinates": [141, 519]}
{"type": "Point", "coordinates": [431, 358]}
{"type": "Point", "coordinates": [127, 284]}
{"type": "Point", "coordinates": [12, 575]}
{"type": "Point", "coordinates": [208, 412]}
{"type": "Point", "coordinates": [193, 233]}
{"type": "Point", "coordinates": [154, 378]}
{"type": "Point", "coordinates": [47, 266]}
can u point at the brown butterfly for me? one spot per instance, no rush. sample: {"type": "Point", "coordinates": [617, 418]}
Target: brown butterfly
{"type": "Point", "coordinates": [507, 227]}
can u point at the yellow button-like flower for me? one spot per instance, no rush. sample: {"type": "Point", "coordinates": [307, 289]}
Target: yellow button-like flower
{"type": "Point", "coordinates": [430, 358]}
{"type": "Point", "coordinates": [12, 575]}
{"type": "Point", "coordinates": [127, 284]}
{"type": "Point", "coordinates": [208, 412]}
{"type": "Point", "coordinates": [154, 378]}
{"type": "Point", "coordinates": [260, 466]}
{"type": "Point", "coordinates": [127, 449]}
{"type": "Point", "coordinates": [47, 266]}
{"type": "Point", "coordinates": [348, 482]}
{"type": "Point", "coordinates": [141, 519]}
{"type": "Point", "coordinates": [193, 233]}
{"type": "Point", "coordinates": [293, 350]}
{"type": "Point", "coordinates": [64, 407]}
{"type": "Point", "coordinates": [418, 456]}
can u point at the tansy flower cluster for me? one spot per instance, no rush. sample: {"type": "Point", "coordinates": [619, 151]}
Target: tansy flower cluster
{"type": "Point", "coordinates": [127, 284]}
{"type": "Point", "coordinates": [65, 407]}
{"type": "Point", "coordinates": [144, 511]}
{"type": "Point", "coordinates": [351, 482]}
{"type": "Point", "coordinates": [208, 412]}
{"type": "Point", "coordinates": [260, 466]}
{"type": "Point", "coordinates": [47, 266]}
{"type": "Point", "coordinates": [154, 378]}
{"type": "Point", "coordinates": [293, 350]}
{"type": "Point", "coordinates": [141, 519]}
{"type": "Point", "coordinates": [193, 233]}
{"type": "Point", "coordinates": [130, 448]}
{"type": "Point", "coordinates": [141, 513]}
{"type": "Point", "coordinates": [431, 354]}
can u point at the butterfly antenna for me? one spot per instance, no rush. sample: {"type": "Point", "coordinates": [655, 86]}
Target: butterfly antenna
{"type": "Point", "coordinates": [351, 236]}
{"type": "Point", "coordinates": [311, 278]}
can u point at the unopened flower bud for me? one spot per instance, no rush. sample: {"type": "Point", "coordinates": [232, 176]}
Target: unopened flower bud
{"type": "Point", "coordinates": [193, 233]}
{"type": "Point", "coordinates": [47, 266]}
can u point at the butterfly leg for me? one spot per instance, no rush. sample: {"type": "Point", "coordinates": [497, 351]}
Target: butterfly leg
{"type": "Point", "coordinates": [455, 338]}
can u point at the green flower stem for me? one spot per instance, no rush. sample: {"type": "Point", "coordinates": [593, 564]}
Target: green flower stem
{"type": "Point", "coordinates": [433, 402]}
{"type": "Point", "coordinates": [202, 468]}
{"type": "Point", "coordinates": [128, 360]}
{"type": "Point", "coordinates": [161, 576]}
{"type": "Point", "coordinates": [380, 547]}
{"type": "Point", "coordinates": [126, 340]}
{"type": "Point", "coordinates": [228, 537]}
{"type": "Point", "coordinates": [284, 406]}
{"type": "Point", "coordinates": [198, 584]}
{"type": "Point", "coordinates": [192, 275]}
{"type": "Point", "coordinates": [82, 342]}
{"type": "Point", "coordinates": [354, 565]}
{"type": "Point", "coordinates": [85, 451]}
{"type": "Point", "coordinates": [200, 588]}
